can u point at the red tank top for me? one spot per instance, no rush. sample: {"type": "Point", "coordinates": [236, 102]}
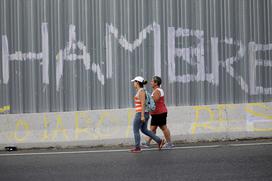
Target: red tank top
{"type": "Point", "coordinates": [160, 105]}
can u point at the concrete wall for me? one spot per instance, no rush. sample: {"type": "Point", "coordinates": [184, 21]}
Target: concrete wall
{"type": "Point", "coordinates": [113, 127]}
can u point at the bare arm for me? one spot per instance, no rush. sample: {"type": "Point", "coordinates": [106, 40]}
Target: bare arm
{"type": "Point", "coordinates": [156, 95]}
{"type": "Point", "coordinates": [142, 99]}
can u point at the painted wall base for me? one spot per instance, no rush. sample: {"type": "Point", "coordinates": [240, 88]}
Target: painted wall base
{"type": "Point", "coordinates": [114, 127]}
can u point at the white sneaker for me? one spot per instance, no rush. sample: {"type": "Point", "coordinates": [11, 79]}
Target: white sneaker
{"type": "Point", "coordinates": [169, 146]}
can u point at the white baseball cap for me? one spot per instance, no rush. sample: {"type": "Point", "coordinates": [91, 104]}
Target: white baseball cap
{"type": "Point", "coordinates": [139, 79]}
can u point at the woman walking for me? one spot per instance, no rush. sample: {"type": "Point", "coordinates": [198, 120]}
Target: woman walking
{"type": "Point", "coordinates": [142, 116]}
{"type": "Point", "coordinates": [159, 115]}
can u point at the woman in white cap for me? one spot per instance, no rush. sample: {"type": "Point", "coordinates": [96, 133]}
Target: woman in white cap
{"type": "Point", "coordinates": [141, 116]}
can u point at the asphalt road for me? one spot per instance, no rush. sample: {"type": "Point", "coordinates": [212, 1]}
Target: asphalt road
{"type": "Point", "coordinates": [216, 161]}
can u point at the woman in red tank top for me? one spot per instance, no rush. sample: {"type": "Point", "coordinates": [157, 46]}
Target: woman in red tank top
{"type": "Point", "coordinates": [159, 115]}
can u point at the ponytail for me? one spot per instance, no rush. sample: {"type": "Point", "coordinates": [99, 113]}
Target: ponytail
{"type": "Point", "coordinates": [141, 84]}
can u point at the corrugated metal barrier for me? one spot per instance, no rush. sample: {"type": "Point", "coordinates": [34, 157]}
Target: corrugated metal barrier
{"type": "Point", "coordinates": [68, 55]}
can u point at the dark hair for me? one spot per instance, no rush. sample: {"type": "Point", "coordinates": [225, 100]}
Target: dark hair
{"type": "Point", "coordinates": [141, 84]}
{"type": "Point", "coordinates": [157, 80]}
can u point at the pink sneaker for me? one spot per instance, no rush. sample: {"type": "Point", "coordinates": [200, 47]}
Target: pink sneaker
{"type": "Point", "coordinates": [136, 150]}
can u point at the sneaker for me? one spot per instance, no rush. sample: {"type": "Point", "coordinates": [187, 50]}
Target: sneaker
{"type": "Point", "coordinates": [146, 144]}
{"type": "Point", "coordinates": [136, 150]}
{"type": "Point", "coordinates": [160, 145]}
{"type": "Point", "coordinates": [168, 146]}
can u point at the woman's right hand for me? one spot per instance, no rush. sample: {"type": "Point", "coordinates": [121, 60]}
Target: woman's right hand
{"type": "Point", "coordinates": [143, 119]}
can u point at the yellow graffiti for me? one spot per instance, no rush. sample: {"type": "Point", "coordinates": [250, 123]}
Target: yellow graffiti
{"type": "Point", "coordinates": [107, 124]}
{"type": "Point", "coordinates": [262, 129]}
{"type": "Point", "coordinates": [78, 129]}
{"type": "Point", "coordinates": [258, 114]}
{"type": "Point", "coordinates": [196, 124]}
{"type": "Point", "coordinates": [131, 113]}
{"type": "Point", "coordinates": [214, 123]}
{"type": "Point", "coordinates": [4, 109]}
{"type": "Point", "coordinates": [221, 109]}
{"type": "Point", "coordinates": [249, 108]}
{"type": "Point", "coordinates": [45, 128]}
{"type": "Point", "coordinates": [25, 126]}
{"type": "Point", "coordinates": [59, 128]}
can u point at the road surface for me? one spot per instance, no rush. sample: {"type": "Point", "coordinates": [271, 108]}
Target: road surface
{"type": "Point", "coordinates": [206, 161]}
